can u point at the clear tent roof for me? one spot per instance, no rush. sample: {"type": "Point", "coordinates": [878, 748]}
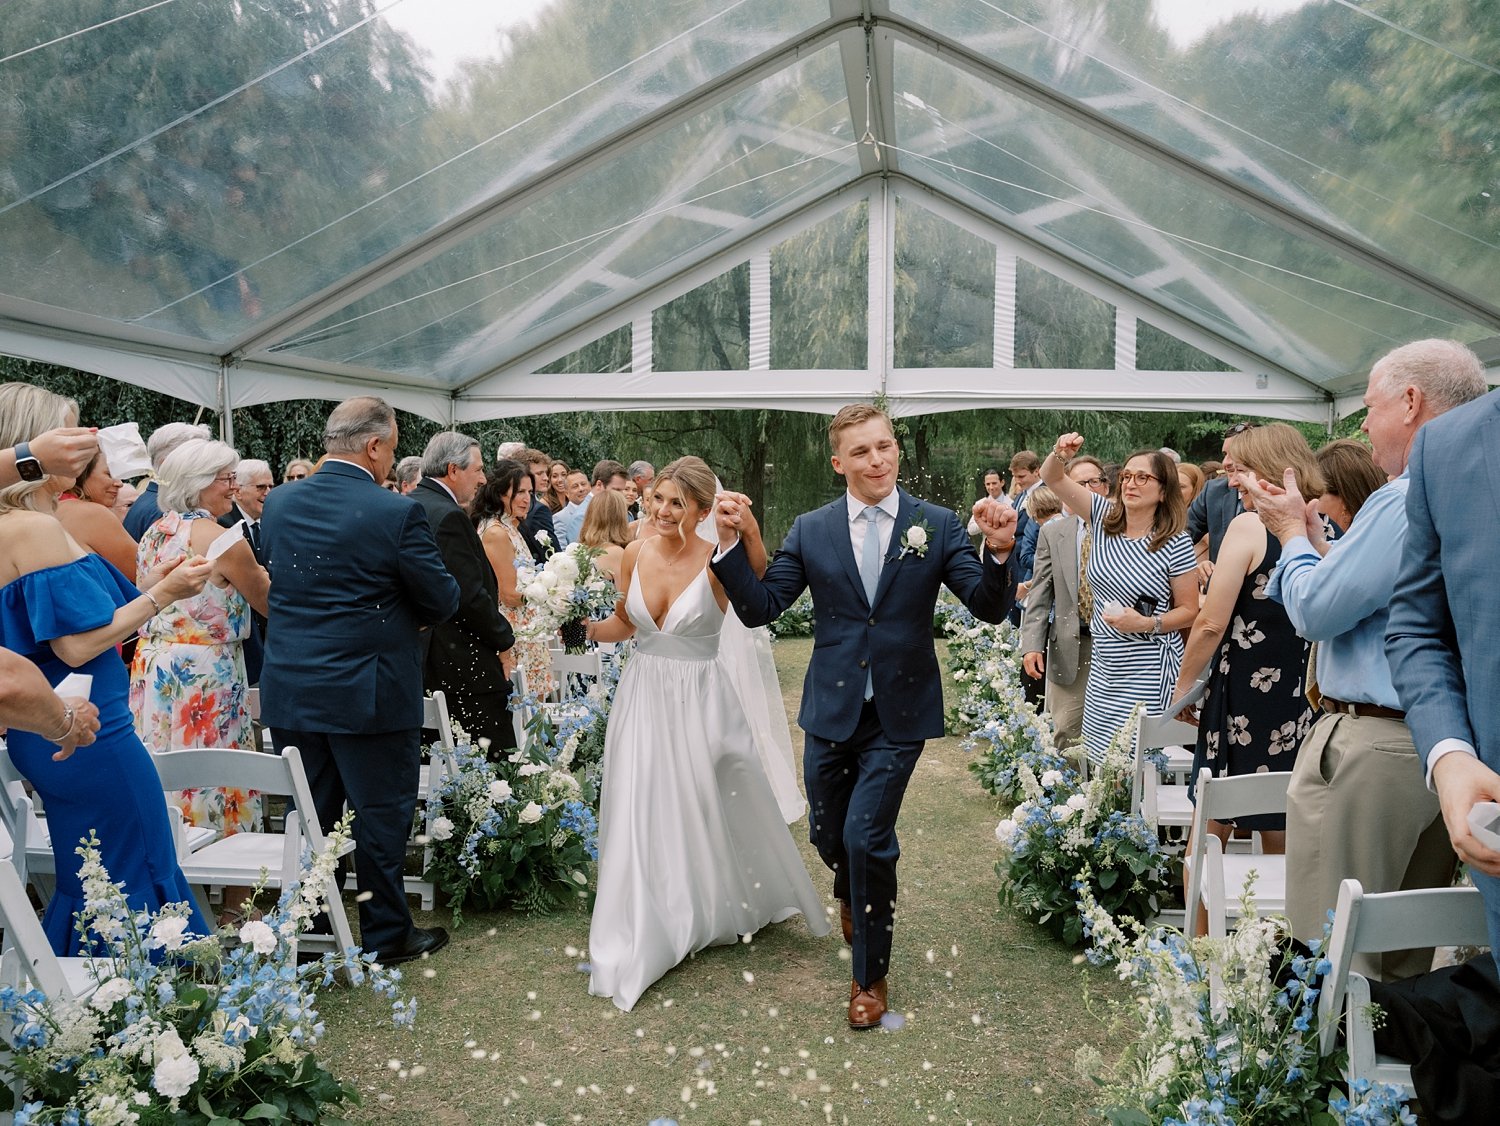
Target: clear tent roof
{"type": "Point", "coordinates": [486, 210]}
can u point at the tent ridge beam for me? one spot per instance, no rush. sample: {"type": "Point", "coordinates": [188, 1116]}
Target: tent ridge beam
{"type": "Point", "coordinates": [423, 248]}
{"type": "Point", "coordinates": [1143, 144]}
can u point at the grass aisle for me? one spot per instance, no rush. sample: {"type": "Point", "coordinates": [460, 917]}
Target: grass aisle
{"type": "Point", "coordinates": [506, 1030]}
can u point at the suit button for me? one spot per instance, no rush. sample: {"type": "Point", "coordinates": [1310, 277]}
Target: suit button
{"type": "Point", "coordinates": [872, 621]}
{"type": "Point", "coordinates": [864, 664]}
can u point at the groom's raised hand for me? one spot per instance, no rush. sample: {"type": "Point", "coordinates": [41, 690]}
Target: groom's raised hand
{"type": "Point", "coordinates": [732, 514]}
{"type": "Point", "coordinates": [997, 521]}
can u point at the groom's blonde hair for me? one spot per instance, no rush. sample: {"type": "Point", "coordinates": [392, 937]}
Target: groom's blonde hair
{"type": "Point", "coordinates": [853, 415]}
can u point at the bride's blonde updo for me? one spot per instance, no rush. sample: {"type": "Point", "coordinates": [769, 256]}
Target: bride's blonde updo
{"type": "Point", "coordinates": [693, 478]}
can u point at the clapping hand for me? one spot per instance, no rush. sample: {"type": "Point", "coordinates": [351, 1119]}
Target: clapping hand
{"type": "Point", "coordinates": [1283, 510]}
{"type": "Point", "coordinates": [997, 522]}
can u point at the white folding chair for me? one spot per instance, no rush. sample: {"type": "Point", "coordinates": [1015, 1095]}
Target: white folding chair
{"type": "Point", "coordinates": [520, 712]}
{"type": "Point", "coordinates": [1163, 806]}
{"type": "Point", "coordinates": [440, 764]}
{"type": "Point", "coordinates": [1375, 923]}
{"type": "Point", "coordinates": [238, 860]}
{"type": "Point", "coordinates": [1217, 879]}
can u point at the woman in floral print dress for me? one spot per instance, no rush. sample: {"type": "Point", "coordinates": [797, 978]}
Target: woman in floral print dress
{"type": "Point", "coordinates": [188, 686]}
{"type": "Point", "coordinates": [1255, 712]}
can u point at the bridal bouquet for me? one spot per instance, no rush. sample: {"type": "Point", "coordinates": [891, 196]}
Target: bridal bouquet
{"type": "Point", "coordinates": [526, 843]}
{"type": "Point", "coordinates": [1225, 1032]}
{"type": "Point", "coordinates": [569, 587]}
{"type": "Point", "coordinates": [184, 1029]}
{"type": "Point", "coordinates": [1066, 837]}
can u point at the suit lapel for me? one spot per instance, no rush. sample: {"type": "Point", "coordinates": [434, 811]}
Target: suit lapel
{"type": "Point", "coordinates": [837, 529]}
{"type": "Point", "coordinates": [905, 512]}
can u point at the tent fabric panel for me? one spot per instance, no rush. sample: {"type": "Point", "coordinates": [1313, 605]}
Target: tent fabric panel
{"type": "Point", "coordinates": [180, 378]}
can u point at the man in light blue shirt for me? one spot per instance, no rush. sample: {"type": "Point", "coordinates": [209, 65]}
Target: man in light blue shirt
{"type": "Point", "coordinates": [1357, 805]}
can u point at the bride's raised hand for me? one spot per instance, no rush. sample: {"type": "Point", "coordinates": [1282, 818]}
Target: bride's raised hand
{"type": "Point", "coordinates": [732, 516]}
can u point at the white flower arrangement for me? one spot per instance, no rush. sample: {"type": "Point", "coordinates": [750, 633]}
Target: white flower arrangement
{"type": "Point", "coordinates": [209, 1029]}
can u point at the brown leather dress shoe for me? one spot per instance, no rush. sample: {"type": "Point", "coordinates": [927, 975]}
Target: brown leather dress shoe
{"type": "Point", "coordinates": [846, 920]}
{"type": "Point", "coordinates": [867, 1005]}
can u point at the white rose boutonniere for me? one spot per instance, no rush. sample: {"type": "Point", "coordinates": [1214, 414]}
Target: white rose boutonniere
{"type": "Point", "coordinates": [916, 539]}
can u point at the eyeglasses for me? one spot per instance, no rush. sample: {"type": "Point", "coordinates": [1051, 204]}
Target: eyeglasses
{"type": "Point", "coordinates": [1127, 477]}
{"type": "Point", "coordinates": [266, 488]}
{"type": "Point", "coordinates": [225, 479]}
{"type": "Point", "coordinates": [296, 476]}
{"type": "Point", "coordinates": [1094, 482]}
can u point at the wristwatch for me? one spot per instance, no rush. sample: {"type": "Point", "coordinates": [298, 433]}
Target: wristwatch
{"type": "Point", "coordinates": [28, 468]}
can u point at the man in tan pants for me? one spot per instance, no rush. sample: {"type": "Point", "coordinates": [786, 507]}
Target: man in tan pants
{"type": "Point", "coordinates": [1358, 805]}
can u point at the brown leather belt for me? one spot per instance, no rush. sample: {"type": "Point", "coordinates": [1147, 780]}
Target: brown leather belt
{"type": "Point", "coordinates": [1366, 711]}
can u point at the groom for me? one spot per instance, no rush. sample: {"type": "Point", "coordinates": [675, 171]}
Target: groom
{"type": "Point", "coordinates": [874, 560]}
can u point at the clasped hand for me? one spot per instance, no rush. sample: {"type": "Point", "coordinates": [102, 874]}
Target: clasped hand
{"type": "Point", "coordinates": [733, 518]}
{"type": "Point", "coordinates": [997, 522]}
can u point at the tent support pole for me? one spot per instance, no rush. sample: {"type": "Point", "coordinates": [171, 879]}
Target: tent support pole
{"type": "Point", "coordinates": [226, 408]}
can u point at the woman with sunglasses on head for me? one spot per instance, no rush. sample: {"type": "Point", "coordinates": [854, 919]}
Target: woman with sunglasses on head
{"type": "Point", "coordinates": [188, 686]}
{"type": "Point", "coordinates": [1140, 572]}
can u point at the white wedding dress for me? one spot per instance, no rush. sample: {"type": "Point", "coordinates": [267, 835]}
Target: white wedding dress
{"type": "Point", "coordinates": [693, 847]}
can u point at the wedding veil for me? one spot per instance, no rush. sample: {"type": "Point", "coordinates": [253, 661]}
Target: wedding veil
{"type": "Point", "coordinates": [746, 657]}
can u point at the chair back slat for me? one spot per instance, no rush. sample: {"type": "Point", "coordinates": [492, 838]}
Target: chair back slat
{"type": "Point", "coordinates": [196, 767]}
{"type": "Point", "coordinates": [28, 954]}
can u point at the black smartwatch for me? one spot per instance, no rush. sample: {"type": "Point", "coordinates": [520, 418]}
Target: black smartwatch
{"type": "Point", "coordinates": [28, 468]}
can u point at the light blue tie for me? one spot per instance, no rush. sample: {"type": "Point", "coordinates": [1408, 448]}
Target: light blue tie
{"type": "Point", "coordinates": [869, 571]}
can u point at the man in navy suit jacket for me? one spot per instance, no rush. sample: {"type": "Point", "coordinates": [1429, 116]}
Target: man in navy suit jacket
{"type": "Point", "coordinates": [1445, 617]}
{"type": "Point", "coordinates": [358, 578]}
{"type": "Point", "coordinates": [873, 694]}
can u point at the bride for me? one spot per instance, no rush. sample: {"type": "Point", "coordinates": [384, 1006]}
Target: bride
{"type": "Point", "coordinates": [693, 848]}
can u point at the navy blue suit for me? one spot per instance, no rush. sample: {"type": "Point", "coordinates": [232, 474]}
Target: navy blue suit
{"type": "Point", "coordinates": [539, 519]}
{"type": "Point", "coordinates": [143, 513]}
{"type": "Point", "coordinates": [859, 754]}
{"type": "Point", "coordinates": [1445, 613]}
{"type": "Point", "coordinates": [358, 577]}
{"type": "Point", "coordinates": [255, 641]}
{"type": "Point", "coordinates": [1211, 513]}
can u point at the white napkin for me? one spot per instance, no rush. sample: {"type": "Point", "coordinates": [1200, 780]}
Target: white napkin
{"type": "Point", "coordinates": [124, 451]}
{"type": "Point", "coordinates": [1484, 822]}
{"type": "Point", "coordinates": [226, 539]}
{"type": "Point", "coordinates": [76, 684]}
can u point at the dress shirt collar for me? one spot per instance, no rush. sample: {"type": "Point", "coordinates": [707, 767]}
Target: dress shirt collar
{"type": "Point", "coordinates": [890, 505]}
{"type": "Point", "coordinates": [440, 484]}
{"type": "Point", "coordinates": [357, 465]}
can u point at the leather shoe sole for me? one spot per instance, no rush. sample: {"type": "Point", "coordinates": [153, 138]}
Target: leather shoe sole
{"type": "Point", "coordinates": [418, 944]}
{"type": "Point", "coordinates": [867, 1005]}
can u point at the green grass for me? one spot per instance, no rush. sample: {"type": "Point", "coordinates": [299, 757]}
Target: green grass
{"type": "Point", "coordinates": [995, 1008]}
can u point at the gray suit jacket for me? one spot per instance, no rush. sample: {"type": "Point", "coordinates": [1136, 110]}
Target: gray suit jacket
{"type": "Point", "coordinates": [1050, 623]}
{"type": "Point", "coordinates": [1445, 615]}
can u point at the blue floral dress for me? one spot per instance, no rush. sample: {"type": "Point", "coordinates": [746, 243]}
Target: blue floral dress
{"type": "Point", "coordinates": [110, 786]}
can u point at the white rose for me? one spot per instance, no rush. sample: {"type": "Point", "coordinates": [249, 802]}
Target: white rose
{"type": "Point", "coordinates": [535, 591]}
{"type": "Point", "coordinates": [1005, 832]}
{"type": "Point", "coordinates": [168, 934]}
{"type": "Point", "coordinates": [258, 935]}
{"type": "Point", "coordinates": [175, 1076]}
{"type": "Point", "coordinates": [499, 790]}
{"type": "Point", "coordinates": [916, 537]}
{"type": "Point", "coordinates": [115, 989]}
{"type": "Point", "coordinates": [543, 538]}
{"type": "Point", "coordinates": [532, 813]}
{"type": "Point", "coordinates": [441, 829]}
{"type": "Point", "coordinates": [531, 768]}
{"type": "Point", "coordinates": [1078, 801]}
{"type": "Point", "coordinates": [547, 579]}
{"type": "Point", "coordinates": [1051, 778]}
{"type": "Point", "coordinates": [567, 566]}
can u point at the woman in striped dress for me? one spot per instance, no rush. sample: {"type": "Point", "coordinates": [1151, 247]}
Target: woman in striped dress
{"type": "Point", "coordinates": [1140, 572]}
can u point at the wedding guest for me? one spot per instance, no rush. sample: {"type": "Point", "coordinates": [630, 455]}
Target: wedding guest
{"type": "Point", "coordinates": [1055, 638]}
{"type": "Point", "coordinates": [994, 486]}
{"type": "Point", "coordinates": [1190, 477]}
{"type": "Point", "coordinates": [65, 610]}
{"type": "Point", "coordinates": [570, 519]}
{"type": "Point", "coordinates": [632, 500]}
{"type": "Point", "coordinates": [408, 473]}
{"type": "Point", "coordinates": [188, 683]}
{"type": "Point", "coordinates": [510, 451]}
{"type": "Point", "coordinates": [557, 487]}
{"type": "Point", "coordinates": [124, 499]}
{"type": "Point", "coordinates": [87, 513]}
{"type": "Point", "coordinates": [500, 505]}
{"type": "Point", "coordinates": [350, 553]}
{"type": "Point", "coordinates": [641, 474]}
{"type": "Point", "coordinates": [1350, 475]}
{"type": "Point", "coordinates": [164, 439]}
{"type": "Point", "coordinates": [468, 656]}
{"type": "Point", "coordinates": [538, 529]}
{"type": "Point", "coordinates": [1217, 504]}
{"type": "Point", "coordinates": [253, 484]}
{"type": "Point", "coordinates": [605, 528]}
{"type": "Point", "coordinates": [1141, 571]}
{"type": "Point", "coordinates": [607, 475]}
{"type": "Point", "coordinates": [298, 469]}
{"type": "Point", "coordinates": [1255, 712]}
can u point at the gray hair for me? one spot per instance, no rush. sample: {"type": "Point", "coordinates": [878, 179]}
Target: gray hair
{"type": "Point", "coordinates": [355, 421]}
{"type": "Point", "coordinates": [188, 470]}
{"type": "Point", "coordinates": [1446, 372]}
{"type": "Point", "coordinates": [447, 447]}
{"type": "Point", "coordinates": [165, 439]}
{"type": "Point", "coordinates": [509, 449]}
{"type": "Point", "coordinates": [1173, 454]}
{"type": "Point", "coordinates": [26, 412]}
{"type": "Point", "coordinates": [408, 469]}
{"type": "Point", "coordinates": [252, 465]}
{"type": "Point", "coordinates": [641, 469]}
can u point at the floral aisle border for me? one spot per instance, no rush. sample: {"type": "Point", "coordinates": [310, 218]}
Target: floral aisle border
{"type": "Point", "coordinates": [180, 1028]}
{"type": "Point", "coordinates": [1224, 1031]}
